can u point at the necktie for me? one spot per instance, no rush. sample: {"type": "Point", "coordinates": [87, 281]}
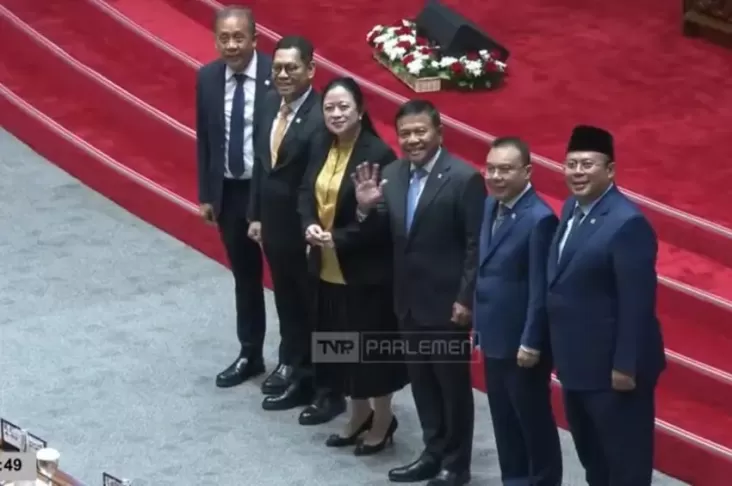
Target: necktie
{"type": "Point", "coordinates": [577, 217]}
{"type": "Point", "coordinates": [500, 217]}
{"type": "Point", "coordinates": [413, 194]}
{"type": "Point", "coordinates": [236, 129]}
{"type": "Point", "coordinates": [279, 131]}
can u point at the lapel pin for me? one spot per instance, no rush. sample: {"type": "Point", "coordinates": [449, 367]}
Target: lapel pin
{"type": "Point", "coordinates": [592, 221]}
{"type": "Point", "coordinates": [513, 215]}
{"type": "Point", "coordinates": [266, 82]}
{"type": "Point", "coordinates": [297, 120]}
{"type": "Point", "coordinates": [439, 176]}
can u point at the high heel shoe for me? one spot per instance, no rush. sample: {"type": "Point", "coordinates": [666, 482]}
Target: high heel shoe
{"type": "Point", "coordinates": [363, 449]}
{"type": "Point", "coordinates": [336, 440]}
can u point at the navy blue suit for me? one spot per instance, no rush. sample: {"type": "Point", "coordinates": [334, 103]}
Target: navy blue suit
{"type": "Point", "coordinates": [510, 311]}
{"type": "Point", "coordinates": [601, 304]}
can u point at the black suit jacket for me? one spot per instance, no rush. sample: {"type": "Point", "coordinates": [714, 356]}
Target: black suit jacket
{"type": "Point", "coordinates": [436, 262]}
{"type": "Point", "coordinates": [364, 252]}
{"type": "Point", "coordinates": [274, 195]}
{"type": "Point", "coordinates": [211, 124]}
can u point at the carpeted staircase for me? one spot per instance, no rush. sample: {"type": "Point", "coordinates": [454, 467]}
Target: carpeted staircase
{"type": "Point", "coordinates": [105, 89]}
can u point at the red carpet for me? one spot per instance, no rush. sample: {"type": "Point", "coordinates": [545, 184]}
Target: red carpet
{"type": "Point", "coordinates": [124, 131]}
{"type": "Point", "coordinates": [689, 397]}
{"type": "Point", "coordinates": [166, 24]}
{"type": "Point", "coordinates": [162, 81]}
{"type": "Point", "coordinates": [622, 64]}
{"type": "Point", "coordinates": [706, 337]}
{"type": "Point", "coordinates": [704, 262]}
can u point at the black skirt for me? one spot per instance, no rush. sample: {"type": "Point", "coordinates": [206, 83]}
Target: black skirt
{"type": "Point", "coordinates": [368, 311]}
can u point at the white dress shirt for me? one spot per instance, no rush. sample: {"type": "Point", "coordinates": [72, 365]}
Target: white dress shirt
{"type": "Point", "coordinates": [250, 92]}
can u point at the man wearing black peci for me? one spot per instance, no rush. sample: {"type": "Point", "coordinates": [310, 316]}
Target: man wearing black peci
{"type": "Point", "coordinates": [434, 203]}
{"type": "Point", "coordinates": [230, 92]}
{"type": "Point", "coordinates": [293, 116]}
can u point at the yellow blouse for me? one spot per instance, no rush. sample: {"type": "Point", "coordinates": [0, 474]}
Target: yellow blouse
{"type": "Point", "coordinates": [327, 185]}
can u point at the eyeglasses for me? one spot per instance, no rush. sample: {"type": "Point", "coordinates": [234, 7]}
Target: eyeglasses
{"type": "Point", "coordinates": [585, 164]}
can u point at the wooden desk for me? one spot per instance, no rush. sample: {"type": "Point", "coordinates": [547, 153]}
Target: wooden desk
{"type": "Point", "coordinates": [711, 19]}
{"type": "Point", "coordinates": [63, 479]}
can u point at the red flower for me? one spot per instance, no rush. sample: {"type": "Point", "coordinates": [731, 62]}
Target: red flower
{"type": "Point", "coordinates": [490, 67]}
{"type": "Point", "coordinates": [473, 56]}
{"type": "Point", "coordinates": [407, 59]}
{"type": "Point", "coordinates": [421, 41]}
{"type": "Point", "coordinates": [404, 44]}
{"type": "Point", "coordinates": [495, 54]}
{"type": "Point", "coordinates": [404, 31]}
{"type": "Point", "coordinates": [457, 68]}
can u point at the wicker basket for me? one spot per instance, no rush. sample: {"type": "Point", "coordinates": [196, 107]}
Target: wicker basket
{"type": "Point", "coordinates": [418, 85]}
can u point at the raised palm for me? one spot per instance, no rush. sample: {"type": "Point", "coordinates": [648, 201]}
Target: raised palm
{"type": "Point", "coordinates": [369, 189]}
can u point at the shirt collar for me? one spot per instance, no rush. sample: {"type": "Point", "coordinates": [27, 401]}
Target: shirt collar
{"type": "Point", "coordinates": [250, 71]}
{"type": "Point", "coordinates": [431, 164]}
{"type": "Point", "coordinates": [297, 103]}
{"type": "Point", "coordinates": [586, 208]}
{"type": "Point", "coordinates": [510, 204]}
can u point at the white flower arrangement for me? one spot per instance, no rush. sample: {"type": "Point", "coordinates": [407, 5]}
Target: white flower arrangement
{"type": "Point", "coordinates": [402, 50]}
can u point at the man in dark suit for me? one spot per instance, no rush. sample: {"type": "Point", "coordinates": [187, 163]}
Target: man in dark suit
{"type": "Point", "coordinates": [292, 116]}
{"type": "Point", "coordinates": [434, 202]}
{"type": "Point", "coordinates": [601, 302]}
{"type": "Point", "coordinates": [509, 316]}
{"type": "Point", "coordinates": [230, 94]}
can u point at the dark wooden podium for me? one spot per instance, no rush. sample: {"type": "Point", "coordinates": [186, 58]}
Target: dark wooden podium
{"type": "Point", "coordinates": [711, 19]}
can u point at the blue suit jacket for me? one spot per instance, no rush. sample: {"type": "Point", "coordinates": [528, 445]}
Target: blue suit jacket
{"type": "Point", "coordinates": [601, 298]}
{"type": "Point", "coordinates": [509, 308]}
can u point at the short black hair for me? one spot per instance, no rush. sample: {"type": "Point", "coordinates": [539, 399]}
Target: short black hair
{"type": "Point", "coordinates": [236, 11]}
{"type": "Point", "coordinates": [518, 144]}
{"type": "Point", "coordinates": [419, 107]}
{"type": "Point", "coordinates": [303, 46]}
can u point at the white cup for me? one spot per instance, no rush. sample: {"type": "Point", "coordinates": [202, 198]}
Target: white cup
{"type": "Point", "coordinates": [47, 460]}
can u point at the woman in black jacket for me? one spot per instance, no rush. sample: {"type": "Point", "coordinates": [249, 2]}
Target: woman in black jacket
{"type": "Point", "coordinates": [353, 267]}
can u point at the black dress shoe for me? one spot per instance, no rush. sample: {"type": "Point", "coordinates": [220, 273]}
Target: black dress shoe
{"type": "Point", "coordinates": [422, 469]}
{"type": "Point", "coordinates": [363, 449]}
{"type": "Point", "coordinates": [276, 383]}
{"type": "Point", "coordinates": [323, 409]}
{"type": "Point", "coordinates": [240, 371]}
{"type": "Point", "coordinates": [335, 440]}
{"type": "Point", "coordinates": [449, 478]}
{"type": "Point", "coordinates": [295, 395]}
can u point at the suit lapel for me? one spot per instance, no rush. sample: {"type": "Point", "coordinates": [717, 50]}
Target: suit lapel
{"type": "Point", "coordinates": [591, 223]}
{"type": "Point", "coordinates": [220, 95]}
{"type": "Point", "coordinates": [485, 229]}
{"type": "Point", "coordinates": [297, 125]}
{"type": "Point", "coordinates": [264, 84]}
{"type": "Point", "coordinates": [554, 249]}
{"type": "Point", "coordinates": [346, 189]}
{"type": "Point", "coordinates": [400, 189]}
{"type": "Point", "coordinates": [268, 119]}
{"type": "Point", "coordinates": [435, 181]}
{"type": "Point", "coordinates": [510, 220]}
